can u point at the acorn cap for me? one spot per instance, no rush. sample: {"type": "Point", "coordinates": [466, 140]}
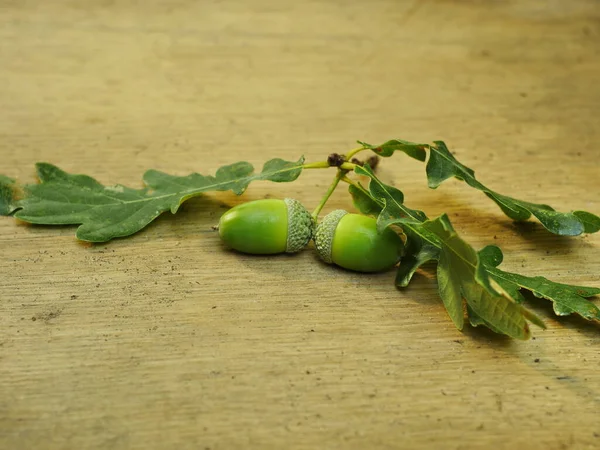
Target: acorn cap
{"type": "Point", "coordinates": [325, 232]}
{"type": "Point", "coordinates": [300, 226]}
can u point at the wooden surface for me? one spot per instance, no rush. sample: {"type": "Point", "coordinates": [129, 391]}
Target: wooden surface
{"type": "Point", "coordinates": [166, 340]}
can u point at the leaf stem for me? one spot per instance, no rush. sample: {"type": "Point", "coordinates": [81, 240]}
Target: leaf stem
{"type": "Point", "coordinates": [348, 180]}
{"type": "Point", "coordinates": [339, 175]}
{"type": "Point", "coordinates": [358, 186]}
{"type": "Point", "coordinates": [347, 166]}
{"type": "Point", "coordinates": [316, 165]}
{"type": "Point", "coordinates": [351, 153]}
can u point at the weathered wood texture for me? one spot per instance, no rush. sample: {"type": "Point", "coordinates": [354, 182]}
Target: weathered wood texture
{"type": "Point", "coordinates": [166, 340]}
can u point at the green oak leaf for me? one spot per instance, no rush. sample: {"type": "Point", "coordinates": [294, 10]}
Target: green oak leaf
{"type": "Point", "coordinates": [449, 277]}
{"type": "Point", "coordinates": [460, 275]}
{"type": "Point", "coordinates": [412, 149]}
{"type": "Point", "coordinates": [421, 245]}
{"type": "Point", "coordinates": [477, 321]}
{"type": "Point", "coordinates": [235, 177]}
{"type": "Point", "coordinates": [443, 165]}
{"type": "Point", "coordinates": [417, 250]}
{"type": "Point", "coordinates": [108, 212]}
{"type": "Point", "coordinates": [363, 201]}
{"type": "Point", "coordinates": [7, 195]}
{"type": "Point", "coordinates": [591, 222]}
{"type": "Point", "coordinates": [392, 200]}
{"type": "Point", "coordinates": [567, 299]}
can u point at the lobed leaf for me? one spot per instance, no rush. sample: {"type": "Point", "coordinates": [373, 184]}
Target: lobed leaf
{"type": "Point", "coordinates": [443, 165]}
{"type": "Point", "coordinates": [108, 212]}
{"type": "Point", "coordinates": [460, 274]}
{"type": "Point", "coordinates": [567, 299]}
{"type": "Point", "coordinates": [363, 201]}
{"type": "Point", "coordinates": [422, 246]}
{"type": "Point", "coordinates": [7, 195]}
{"type": "Point", "coordinates": [392, 200]}
{"type": "Point", "coordinates": [591, 222]}
{"type": "Point", "coordinates": [492, 296]}
{"type": "Point", "coordinates": [412, 149]}
{"type": "Point", "coordinates": [417, 250]}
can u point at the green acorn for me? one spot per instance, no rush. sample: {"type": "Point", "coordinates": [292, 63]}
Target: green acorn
{"type": "Point", "coordinates": [352, 241]}
{"type": "Point", "coordinates": [266, 227]}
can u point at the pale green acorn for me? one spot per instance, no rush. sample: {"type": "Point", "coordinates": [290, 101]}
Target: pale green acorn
{"type": "Point", "coordinates": [352, 241]}
{"type": "Point", "coordinates": [266, 227]}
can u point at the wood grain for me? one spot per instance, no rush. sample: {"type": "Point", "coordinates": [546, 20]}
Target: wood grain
{"type": "Point", "coordinates": [167, 340]}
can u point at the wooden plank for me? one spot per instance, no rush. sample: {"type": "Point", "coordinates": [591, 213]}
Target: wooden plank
{"type": "Point", "coordinates": [167, 340]}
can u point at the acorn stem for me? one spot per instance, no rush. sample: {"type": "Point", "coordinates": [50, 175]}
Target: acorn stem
{"type": "Point", "coordinates": [339, 175]}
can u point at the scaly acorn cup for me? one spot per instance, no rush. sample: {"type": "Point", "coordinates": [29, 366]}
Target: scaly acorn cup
{"type": "Point", "coordinates": [266, 227]}
{"type": "Point", "coordinates": [352, 241]}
